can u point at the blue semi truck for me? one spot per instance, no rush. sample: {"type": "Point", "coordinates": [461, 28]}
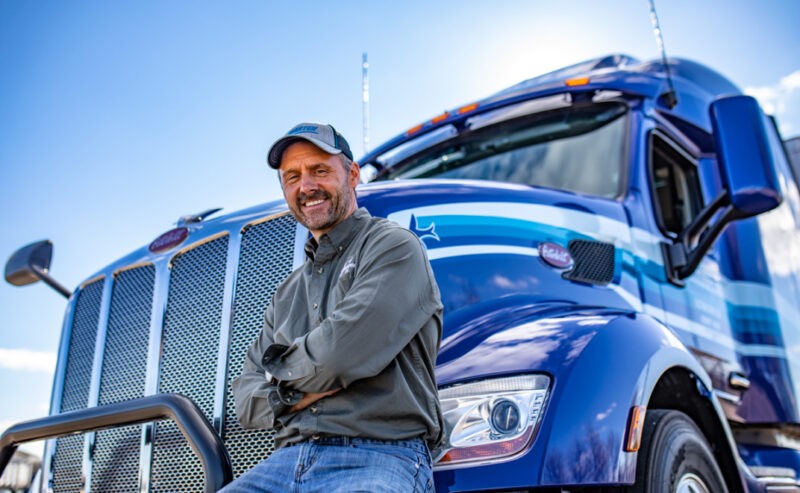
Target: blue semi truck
{"type": "Point", "coordinates": [617, 250]}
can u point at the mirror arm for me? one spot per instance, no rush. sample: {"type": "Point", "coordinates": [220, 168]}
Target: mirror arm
{"type": "Point", "coordinates": [681, 258]}
{"type": "Point", "coordinates": [695, 255]}
{"type": "Point", "coordinates": [47, 279]}
{"type": "Point", "coordinates": [702, 219]}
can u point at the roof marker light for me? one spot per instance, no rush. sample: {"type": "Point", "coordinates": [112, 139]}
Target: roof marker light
{"type": "Point", "coordinates": [577, 81]}
{"type": "Point", "coordinates": [467, 108]}
{"type": "Point", "coordinates": [439, 118]}
{"type": "Point", "coordinates": [414, 129]}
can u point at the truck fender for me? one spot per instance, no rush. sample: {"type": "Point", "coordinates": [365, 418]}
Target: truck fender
{"type": "Point", "coordinates": [585, 424]}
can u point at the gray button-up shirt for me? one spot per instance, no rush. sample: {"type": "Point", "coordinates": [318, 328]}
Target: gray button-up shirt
{"type": "Point", "coordinates": [363, 314]}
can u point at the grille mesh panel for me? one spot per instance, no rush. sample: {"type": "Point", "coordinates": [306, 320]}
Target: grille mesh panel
{"type": "Point", "coordinates": [265, 260]}
{"type": "Point", "coordinates": [68, 460]}
{"type": "Point", "coordinates": [190, 344]}
{"type": "Point", "coordinates": [116, 458]}
{"type": "Point", "coordinates": [67, 464]}
{"type": "Point", "coordinates": [594, 262]}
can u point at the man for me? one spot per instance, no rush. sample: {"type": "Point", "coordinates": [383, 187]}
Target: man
{"type": "Point", "coordinates": [343, 368]}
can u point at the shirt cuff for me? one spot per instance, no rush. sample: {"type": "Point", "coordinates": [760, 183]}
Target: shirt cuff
{"type": "Point", "coordinates": [287, 363]}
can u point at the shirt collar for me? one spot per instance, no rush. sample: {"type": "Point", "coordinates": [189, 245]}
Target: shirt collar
{"type": "Point", "coordinates": [337, 239]}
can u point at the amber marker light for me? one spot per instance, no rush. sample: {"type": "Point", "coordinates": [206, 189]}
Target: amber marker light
{"type": "Point", "coordinates": [439, 118]}
{"type": "Point", "coordinates": [635, 428]}
{"type": "Point", "coordinates": [467, 108]}
{"type": "Point", "coordinates": [415, 129]}
{"type": "Point", "coordinates": [577, 81]}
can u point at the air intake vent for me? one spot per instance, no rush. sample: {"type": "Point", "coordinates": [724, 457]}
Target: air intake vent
{"type": "Point", "coordinates": [594, 262]}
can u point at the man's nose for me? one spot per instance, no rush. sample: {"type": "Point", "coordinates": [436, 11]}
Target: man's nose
{"type": "Point", "coordinates": [307, 183]}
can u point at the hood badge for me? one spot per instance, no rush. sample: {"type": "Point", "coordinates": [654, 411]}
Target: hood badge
{"type": "Point", "coordinates": [169, 240]}
{"type": "Point", "coordinates": [555, 255]}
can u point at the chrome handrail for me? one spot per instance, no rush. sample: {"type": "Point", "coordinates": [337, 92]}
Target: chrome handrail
{"type": "Point", "coordinates": [206, 444]}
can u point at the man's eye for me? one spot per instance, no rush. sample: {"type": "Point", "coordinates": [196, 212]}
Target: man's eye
{"type": "Point", "coordinates": [290, 178]}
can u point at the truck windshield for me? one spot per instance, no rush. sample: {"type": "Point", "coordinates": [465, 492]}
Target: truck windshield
{"type": "Point", "coordinates": [579, 149]}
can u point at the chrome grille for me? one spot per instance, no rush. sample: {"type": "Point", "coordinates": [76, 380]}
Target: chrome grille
{"type": "Point", "coordinates": [116, 456]}
{"type": "Point", "coordinates": [265, 260]}
{"type": "Point", "coordinates": [190, 343]}
{"type": "Point", "coordinates": [67, 464]}
{"type": "Point", "coordinates": [116, 460]}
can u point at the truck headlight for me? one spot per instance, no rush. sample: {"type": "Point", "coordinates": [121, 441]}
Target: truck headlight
{"type": "Point", "coordinates": [490, 419]}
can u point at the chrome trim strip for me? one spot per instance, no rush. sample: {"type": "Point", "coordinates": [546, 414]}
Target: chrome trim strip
{"type": "Point", "coordinates": [157, 315]}
{"type": "Point", "coordinates": [300, 237]}
{"type": "Point", "coordinates": [262, 220]}
{"type": "Point", "coordinates": [126, 268]}
{"type": "Point", "coordinates": [57, 393]}
{"type": "Point", "coordinates": [90, 281]}
{"type": "Point", "coordinates": [94, 383]}
{"type": "Point", "coordinates": [738, 381]}
{"type": "Point", "coordinates": [226, 323]}
{"type": "Point", "coordinates": [199, 243]}
{"type": "Point", "coordinates": [721, 394]}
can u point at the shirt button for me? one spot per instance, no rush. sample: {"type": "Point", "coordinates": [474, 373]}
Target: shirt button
{"type": "Point", "coordinates": [319, 271]}
{"type": "Point", "coordinates": [341, 248]}
{"type": "Point", "coordinates": [315, 305]}
{"type": "Point", "coordinates": [315, 437]}
{"type": "Point", "coordinates": [289, 373]}
{"type": "Point", "coordinates": [313, 410]}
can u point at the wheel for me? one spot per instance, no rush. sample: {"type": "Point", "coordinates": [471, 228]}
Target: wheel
{"type": "Point", "coordinates": [675, 457]}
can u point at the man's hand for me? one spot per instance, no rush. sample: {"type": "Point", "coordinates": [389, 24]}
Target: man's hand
{"type": "Point", "coordinates": [310, 398]}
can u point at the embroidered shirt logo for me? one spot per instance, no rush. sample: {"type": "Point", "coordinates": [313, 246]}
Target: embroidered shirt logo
{"type": "Point", "coordinates": [347, 268]}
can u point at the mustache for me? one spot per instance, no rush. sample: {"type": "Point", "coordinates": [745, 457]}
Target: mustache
{"type": "Point", "coordinates": [317, 195]}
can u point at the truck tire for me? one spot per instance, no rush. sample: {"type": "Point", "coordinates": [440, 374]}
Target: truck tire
{"type": "Point", "coordinates": [675, 457]}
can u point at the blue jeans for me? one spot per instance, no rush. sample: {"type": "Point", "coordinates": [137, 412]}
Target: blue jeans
{"type": "Point", "coordinates": [342, 465]}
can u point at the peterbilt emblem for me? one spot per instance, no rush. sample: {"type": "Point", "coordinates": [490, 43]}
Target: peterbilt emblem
{"type": "Point", "coordinates": [555, 255]}
{"type": "Point", "coordinates": [168, 240]}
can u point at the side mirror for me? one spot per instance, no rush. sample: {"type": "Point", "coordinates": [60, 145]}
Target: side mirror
{"type": "Point", "coordinates": [747, 170]}
{"type": "Point", "coordinates": [31, 263]}
{"type": "Point", "coordinates": [745, 160]}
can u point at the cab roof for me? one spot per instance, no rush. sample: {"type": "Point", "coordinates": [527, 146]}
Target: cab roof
{"type": "Point", "coordinates": [695, 85]}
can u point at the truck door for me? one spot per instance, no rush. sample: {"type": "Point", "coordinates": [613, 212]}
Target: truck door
{"type": "Point", "coordinates": [680, 184]}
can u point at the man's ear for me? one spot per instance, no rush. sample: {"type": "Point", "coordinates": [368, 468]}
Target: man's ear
{"type": "Point", "coordinates": [354, 176]}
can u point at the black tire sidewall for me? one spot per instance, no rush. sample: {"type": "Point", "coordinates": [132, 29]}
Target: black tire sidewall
{"type": "Point", "coordinates": [673, 447]}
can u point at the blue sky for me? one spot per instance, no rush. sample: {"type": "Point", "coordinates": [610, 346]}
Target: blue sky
{"type": "Point", "coordinates": [116, 118]}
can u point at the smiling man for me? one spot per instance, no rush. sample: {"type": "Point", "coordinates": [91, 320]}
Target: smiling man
{"type": "Point", "coordinates": [343, 368]}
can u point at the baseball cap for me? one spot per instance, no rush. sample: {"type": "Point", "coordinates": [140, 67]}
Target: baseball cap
{"type": "Point", "coordinates": [323, 136]}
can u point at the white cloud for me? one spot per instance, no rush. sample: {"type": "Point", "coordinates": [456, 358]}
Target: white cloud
{"type": "Point", "coordinates": [27, 360]}
{"type": "Point", "coordinates": [779, 99]}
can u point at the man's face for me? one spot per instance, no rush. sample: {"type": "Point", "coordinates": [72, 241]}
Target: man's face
{"type": "Point", "coordinates": [317, 188]}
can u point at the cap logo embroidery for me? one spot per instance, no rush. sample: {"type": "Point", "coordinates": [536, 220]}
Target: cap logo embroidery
{"type": "Point", "coordinates": [303, 129]}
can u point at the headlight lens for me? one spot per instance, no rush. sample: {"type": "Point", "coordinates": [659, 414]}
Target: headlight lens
{"type": "Point", "coordinates": [490, 419]}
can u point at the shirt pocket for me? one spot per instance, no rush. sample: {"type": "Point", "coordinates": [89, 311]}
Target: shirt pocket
{"type": "Point", "coordinates": [345, 279]}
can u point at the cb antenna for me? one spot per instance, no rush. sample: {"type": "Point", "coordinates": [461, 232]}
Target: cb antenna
{"type": "Point", "coordinates": [670, 97]}
{"type": "Point", "coordinates": [365, 99]}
